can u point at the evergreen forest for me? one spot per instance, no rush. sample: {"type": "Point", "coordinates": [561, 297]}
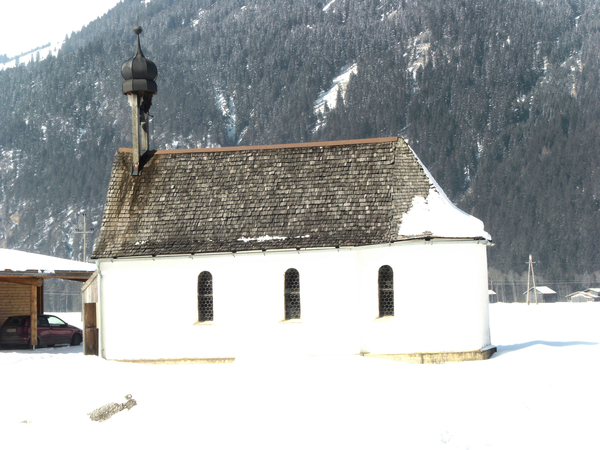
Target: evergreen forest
{"type": "Point", "coordinates": [498, 98]}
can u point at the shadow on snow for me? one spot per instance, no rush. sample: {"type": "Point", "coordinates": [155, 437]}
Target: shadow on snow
{"type": "Point", "coordinates": [502, 349]}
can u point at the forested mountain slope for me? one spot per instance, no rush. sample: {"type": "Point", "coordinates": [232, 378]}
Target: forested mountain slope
{"type": "Point", "coordinates": [499, 98]}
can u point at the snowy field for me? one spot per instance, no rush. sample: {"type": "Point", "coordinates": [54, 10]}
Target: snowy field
{"type": "Point", "coordinates": [540, 391]}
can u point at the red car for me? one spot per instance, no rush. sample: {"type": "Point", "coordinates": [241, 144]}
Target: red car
{"type": "Point", "coordinates": [50, 330]}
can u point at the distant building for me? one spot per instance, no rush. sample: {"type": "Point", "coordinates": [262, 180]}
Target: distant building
{"type": "Point", "coordinates": [588, 295]}
{"type": "Point", "coordinates": [544, 295]}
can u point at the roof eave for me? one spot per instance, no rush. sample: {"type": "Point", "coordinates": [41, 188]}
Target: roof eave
{"type": "Point", "coordinates": [478, 239]}
{"type": "Point", "coordinates": [73, 275]}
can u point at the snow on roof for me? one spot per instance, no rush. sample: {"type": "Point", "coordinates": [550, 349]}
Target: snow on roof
{"type": "Point", "coordinates": [18, 261]}
{"type": "Point", "coordinates": [545, 290]}
{"type": "Point", "coordinates": [438, 216]}
{"type": "Point", "coordinates": [583, 294]}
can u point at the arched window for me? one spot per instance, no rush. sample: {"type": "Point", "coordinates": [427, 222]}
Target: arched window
{"type": "Point", "coordinates": [292, 294]}
{"type": "Point", "coordinates": [205, 297]}
{"type": "Point", "coordinates": [386, 291]}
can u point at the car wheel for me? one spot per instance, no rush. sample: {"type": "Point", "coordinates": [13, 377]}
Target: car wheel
{"type": "Point", "coordinates": [76, 339]}
{"type": "Point", "coordinates": [29, 346]}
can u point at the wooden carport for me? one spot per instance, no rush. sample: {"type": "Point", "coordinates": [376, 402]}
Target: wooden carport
{"type": "Point", "coordinates": [22, 278]}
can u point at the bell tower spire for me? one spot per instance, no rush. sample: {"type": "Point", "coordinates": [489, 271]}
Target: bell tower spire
{"type": "Point", "coordinates": [140, 74]}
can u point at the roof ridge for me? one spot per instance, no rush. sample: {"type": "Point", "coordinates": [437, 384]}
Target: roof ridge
{"type": "Point", "coordinates": [271, 146]}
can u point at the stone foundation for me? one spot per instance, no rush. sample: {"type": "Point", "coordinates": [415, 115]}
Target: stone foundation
{"type": "Point", "coordinates": [415, 358]}
{"type": "Point", "coordinates": [179, 361]}
{"type": "Point", "coordinates": [439, 357]}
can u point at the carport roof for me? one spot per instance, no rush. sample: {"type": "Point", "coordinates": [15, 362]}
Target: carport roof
{"type": "Point", "coordinates": [17, 263]}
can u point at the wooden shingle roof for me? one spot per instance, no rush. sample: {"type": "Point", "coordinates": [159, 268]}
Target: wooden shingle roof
{"type": "Point", "coordinates": [329, 194]}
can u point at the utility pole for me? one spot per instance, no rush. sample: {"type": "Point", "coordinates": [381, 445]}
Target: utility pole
{"type": "Point", "coordinates": [85, 232]}
{"type": "Point", "coordinates": [530, 273]}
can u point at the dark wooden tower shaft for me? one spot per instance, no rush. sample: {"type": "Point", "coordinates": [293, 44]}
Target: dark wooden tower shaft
{"type": "Point", "coordinates": [140, 74]}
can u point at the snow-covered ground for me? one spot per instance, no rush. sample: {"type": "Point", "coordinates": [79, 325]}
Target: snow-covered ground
{"type": "Point", "coordinates": [540, 391]}
{"type": "Point", "coordinates": [340, 83]}
{"type": "Point", "coordinates": [50, 50]}
{"type": "Point", "coordinates": [329, 98]}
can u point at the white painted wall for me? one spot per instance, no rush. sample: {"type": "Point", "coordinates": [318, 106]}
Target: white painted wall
{"type": "Point", "coordinates": [440, 298]}
{"type": "Point", "coordinates": [149, 307]}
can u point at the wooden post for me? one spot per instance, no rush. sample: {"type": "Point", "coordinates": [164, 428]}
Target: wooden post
{"type": "Point", "coordinates": [85, 232]}
{"type": "Point", "coordinates": [528, 275]}
{"type": "Point", "coordinates": [533, 278]}
{"type": "Point", "coordinates": [40, 296]}
{"type": "Point", "coordinates": [90, 346]}
{"type": "Point", "coordinates": [33, 319]}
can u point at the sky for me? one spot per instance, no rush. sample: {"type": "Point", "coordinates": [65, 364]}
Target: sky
{"type": "Point", "coordinates": [27, 24]}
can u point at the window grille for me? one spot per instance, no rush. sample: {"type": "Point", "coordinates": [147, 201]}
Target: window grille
{"type": "Point", "coordinates": [386, 291]}
{"type": "Point", "coordinates": [292, 294]}
{"type": "Point", "coordinates": [205, 297]}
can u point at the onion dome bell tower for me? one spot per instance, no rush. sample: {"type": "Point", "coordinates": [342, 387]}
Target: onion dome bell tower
{"type": "Point", "coordinates": [139, 86]}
